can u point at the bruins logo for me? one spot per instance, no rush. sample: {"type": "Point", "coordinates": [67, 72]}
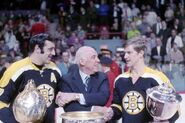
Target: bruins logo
{"type": "Point", "coordinates": [133, 102]}
{"type": "Point", "coordinates": [48, 92]}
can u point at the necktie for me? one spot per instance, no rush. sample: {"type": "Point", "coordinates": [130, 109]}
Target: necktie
{"type": "Point", "coordinates": [86, 82]}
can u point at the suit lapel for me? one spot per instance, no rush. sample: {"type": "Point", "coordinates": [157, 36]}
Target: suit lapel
{"type": "Point", "coordinates": [93, 83]}
{"type": "Point", "coordinates": [77, 81]}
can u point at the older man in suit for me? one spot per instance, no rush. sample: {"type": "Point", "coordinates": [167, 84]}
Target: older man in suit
{"type": "Point", "coordinates": [84, 88]}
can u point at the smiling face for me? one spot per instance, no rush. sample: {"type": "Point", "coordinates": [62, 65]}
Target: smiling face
{"type": "Point", "coordinates": [92, 62]}
{"type": "Point", "coordinates": [48, 52]}
{"type": "Point", "coordinates": [87, 59]}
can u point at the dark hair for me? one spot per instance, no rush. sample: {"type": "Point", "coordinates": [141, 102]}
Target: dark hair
{"type": "Point", "coordinates": [39, 40]}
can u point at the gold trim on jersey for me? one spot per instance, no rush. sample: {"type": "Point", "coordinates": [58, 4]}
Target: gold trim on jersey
{"type": "Point", "coordinates": [117, 106]}
{"type": "Point", "coordinates": [53, 66]}
{"type": "Point", "coordinates": [14, 71]}
{"type": "Point", "coordinates": [1, 91]}
{"type": "Point", "coordinates": [2, 105]}
{"type": "Point", "coordinates": [160, 77]}
{"type": "Point", "coordinates": [17, 68]}
{"type": "Point", "coordinates": [123, 75]}
{"type": "Point", "coordinates": [149, 73]}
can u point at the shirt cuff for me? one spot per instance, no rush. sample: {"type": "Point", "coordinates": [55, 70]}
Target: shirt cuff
{"type": "Point", "coordinates": [82, 99]}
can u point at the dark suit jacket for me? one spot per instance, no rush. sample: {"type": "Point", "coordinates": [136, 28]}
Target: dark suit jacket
{"type": "Point", "coordinates": [96, 94]}
{"type": "Point", "coordinates": [155, 53]}
{"type": "Point", "coordinates": [154, 27]}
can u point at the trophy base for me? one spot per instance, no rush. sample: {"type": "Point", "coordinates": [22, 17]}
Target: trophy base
{"type": "Point", "coordinates": [159, 121]}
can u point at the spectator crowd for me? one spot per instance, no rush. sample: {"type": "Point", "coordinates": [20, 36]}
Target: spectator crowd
{"type": "Point", "coordinates": [160, 22]}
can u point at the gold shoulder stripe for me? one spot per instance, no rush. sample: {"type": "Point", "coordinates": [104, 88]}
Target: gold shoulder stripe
{"type": "Point", "coordinates": [165, 79]}
{"type": "Point", "coordinates": [14, 71]}
{"type": "Point", "coordinates": [20, 71]}
{"type": "Point", "coordinates": [53, 66]}
{"type": "Point", "coordinates": [123, 75]}
{"type": "Point", "coordinates": [117, 106]}
{"type": "Point", "coordinates": [2, 105]}
{"type": "Point", "coordinates": [1, 91]}
{"type": "Point", "coordinates": [157, 75]}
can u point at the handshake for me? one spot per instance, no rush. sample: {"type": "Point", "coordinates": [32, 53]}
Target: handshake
{"type": "Point", "coordinates": [63, 98]}
{"type": "Point", "coordinates": [107, 111]}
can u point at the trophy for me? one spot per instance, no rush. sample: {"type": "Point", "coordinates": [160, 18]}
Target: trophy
{"type": "Point", "coordinates": [83, 117]}
{"type": "Point", "coordinates": [162, 102]}
{"type": "Point", "coordinates": [29, 106]}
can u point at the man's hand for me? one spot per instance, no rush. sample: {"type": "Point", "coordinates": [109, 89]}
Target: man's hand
{"type": "Point", "coordinates": [63, 98]}
{"type": "Point", "coordinates": [108, 112]}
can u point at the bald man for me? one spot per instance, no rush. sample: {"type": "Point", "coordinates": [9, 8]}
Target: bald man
{"type": "Point", "coordinates": [84, 87]}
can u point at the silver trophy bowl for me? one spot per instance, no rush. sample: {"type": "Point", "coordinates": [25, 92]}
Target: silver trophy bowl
{"type": "Point", "coordinates": [29, 106]}
{"type": "Point", "coordinates": [82, 117]}
{"type": "Point", "coordinates": [162, 102]}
